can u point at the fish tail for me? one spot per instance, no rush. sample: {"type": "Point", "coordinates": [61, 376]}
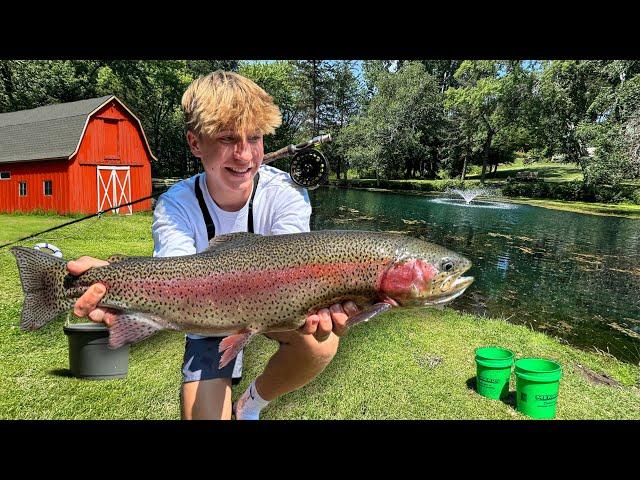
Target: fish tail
{"type": "Point", "coordinates": [42, 276]}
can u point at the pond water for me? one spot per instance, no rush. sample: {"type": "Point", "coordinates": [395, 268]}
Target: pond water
{"type": "Point", "coordinates": [571, 275]}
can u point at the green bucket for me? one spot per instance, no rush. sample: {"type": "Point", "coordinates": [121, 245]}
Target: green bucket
{"type": "Point", "coordinates": [493, 367]}
{"type": "Point", "coordinates": [537, 384]}
{"type": "Point", "coordinates": [89, 354]}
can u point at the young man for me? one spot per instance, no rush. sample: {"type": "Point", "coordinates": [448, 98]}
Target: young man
{"type": "Point", "coordinates": [226, 117]}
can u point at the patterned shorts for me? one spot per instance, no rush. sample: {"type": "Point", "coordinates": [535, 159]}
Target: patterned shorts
{"type": "Point", "coordinates": [201, 358]}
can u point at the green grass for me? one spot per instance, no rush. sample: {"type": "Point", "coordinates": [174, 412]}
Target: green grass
{"type": "Point", "coordinates": [405, 364]}
{"type": "Point", "coordinates": [548, 171]}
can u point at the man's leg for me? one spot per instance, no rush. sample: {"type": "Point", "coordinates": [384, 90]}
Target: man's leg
{"type": "Point", "coordinates": [299, 360]}
{"type": "Point", "coordinates": [206, 390]}
{"type": "Point", "coordinates": [206, 400]}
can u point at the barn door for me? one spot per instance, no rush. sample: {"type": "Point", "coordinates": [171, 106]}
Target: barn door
{"type": "Point", "coordinates": [114, 188]}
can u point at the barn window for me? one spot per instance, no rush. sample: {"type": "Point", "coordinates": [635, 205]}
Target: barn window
{"type": "Point", "coordinates": [5, 175]}
{"type": "Point", "coordinates": [48, 187]}
{"type": "Point", "coordinates": [23, 189]}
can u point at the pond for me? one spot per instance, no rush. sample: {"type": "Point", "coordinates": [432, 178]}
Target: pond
{"type": "Point", "coordinates": [574, 276]}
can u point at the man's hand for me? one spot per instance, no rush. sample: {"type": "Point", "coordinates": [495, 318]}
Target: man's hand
{"type": "Point", "coordinates": [87, 304]}
{"type": "Point", "coordinates": [326, 320]}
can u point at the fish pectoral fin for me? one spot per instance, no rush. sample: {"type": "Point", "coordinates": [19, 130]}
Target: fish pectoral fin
{"type": "Point", "coordinates": [131, 327]}
{"type": "Point", "coordinates": [367, 315]}
{"type": "Point", "coordinates": [232, 345]}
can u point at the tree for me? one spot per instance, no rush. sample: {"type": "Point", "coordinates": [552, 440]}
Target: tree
{"type": "Point", "coordinates": [277, 79]}
{"type": "Point", "coordinates": [370, 70]}
{"type": "Point", "coordinates": [489, 97]}
{"type": "Point", "coordinates": [199, 68]}
{"type": "Point", "coordinates": [26, 84]}
{"type": "Point", "coordinates": [312, 81]}
{"type": "Point", "coordinates": [343, 103]}
{"type": "Point", "coordinates": [444, 71]}
{"type": "Point", "coordinates": [566, 91]}
{"type": "Point", "coordinates": [394, 134]}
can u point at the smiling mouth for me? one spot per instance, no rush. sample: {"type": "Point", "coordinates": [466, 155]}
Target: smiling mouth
{"type": "Point", "coordinates": [238, 172]}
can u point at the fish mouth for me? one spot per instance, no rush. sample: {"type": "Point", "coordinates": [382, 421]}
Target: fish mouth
{"type": "Point", "coordinates": [455, 288]}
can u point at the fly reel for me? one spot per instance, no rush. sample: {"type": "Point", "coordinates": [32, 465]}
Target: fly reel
{"type": "Point", "coordinates": [309, 168]}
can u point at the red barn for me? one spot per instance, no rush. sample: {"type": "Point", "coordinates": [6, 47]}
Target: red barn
{"type": "Point", "coordinates": [82, 157]}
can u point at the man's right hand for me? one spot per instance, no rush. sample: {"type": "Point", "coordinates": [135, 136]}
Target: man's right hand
{"type": "Point", "coordinates": [87, 304]}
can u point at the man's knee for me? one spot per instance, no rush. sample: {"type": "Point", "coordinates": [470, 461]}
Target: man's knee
{"type": "Point", "coordinates": [206, 400]}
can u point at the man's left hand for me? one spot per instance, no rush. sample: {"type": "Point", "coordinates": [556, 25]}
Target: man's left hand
{"type": "Point", "coordinates": [320, 324]}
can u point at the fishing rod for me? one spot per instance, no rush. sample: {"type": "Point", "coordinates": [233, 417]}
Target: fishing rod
{"type": "Point", "coordinates": [101, 212]}
{"type": "Point", "coordinates": [308, 169]}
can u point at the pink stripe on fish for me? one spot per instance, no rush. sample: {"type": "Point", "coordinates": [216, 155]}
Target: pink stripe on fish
{"type": "Point", "coordinates": [223, 286]}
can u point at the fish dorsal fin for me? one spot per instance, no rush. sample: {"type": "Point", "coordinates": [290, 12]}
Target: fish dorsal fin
{"type": "Point", "coordinates": [231, 240]}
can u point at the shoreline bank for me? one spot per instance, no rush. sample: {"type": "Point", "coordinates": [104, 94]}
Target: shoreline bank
{"type": "Point", "coordinates": [602, 209]}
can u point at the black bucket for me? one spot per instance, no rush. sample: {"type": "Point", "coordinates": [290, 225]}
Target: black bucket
{"type": "Point", "coordinates": [89, 353]}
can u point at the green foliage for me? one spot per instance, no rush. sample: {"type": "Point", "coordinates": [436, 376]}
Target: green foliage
{"type": "Point", "coordinates": [572, 191]}
{"type": "Point", "coordinates": [487, 107]}
{"type": "Point", "coordinates": [400, 119]}
{"type": "Point", "coordinates": [591, 105]}
{"type": "Point", "coordinates": [397, 133]}
{"type": "Point", "coordinates": [414, 185]}
{"type": "Point", "coordinates": [277, 79]}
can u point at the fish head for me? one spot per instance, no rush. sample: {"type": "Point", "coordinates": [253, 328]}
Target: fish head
{"type": "Point", "coordinates": [424, 274]}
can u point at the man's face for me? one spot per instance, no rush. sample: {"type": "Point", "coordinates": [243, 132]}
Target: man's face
{"type": "Point", "coordinates": [230, 159]}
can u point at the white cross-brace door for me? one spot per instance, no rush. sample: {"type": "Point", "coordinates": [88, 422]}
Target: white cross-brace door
{"type": "Point", "coordinates": [114, 188]}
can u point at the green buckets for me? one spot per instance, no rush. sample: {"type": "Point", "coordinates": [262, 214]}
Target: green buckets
{"type": "Point", "coordinates": [493, 372]}
{"type": "Point", "coordinates": [537, 381]}
{"type": "Point", "coordinates": [537, 384]}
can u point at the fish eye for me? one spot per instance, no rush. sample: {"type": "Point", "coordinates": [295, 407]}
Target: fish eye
{"type": "Point", "coordinates": [446, 265]}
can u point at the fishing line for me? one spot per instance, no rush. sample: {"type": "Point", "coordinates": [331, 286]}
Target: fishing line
{"type": "Point", "coordinates": [101, 212]}
{"type": "Point", "coordinates": [82, 229]}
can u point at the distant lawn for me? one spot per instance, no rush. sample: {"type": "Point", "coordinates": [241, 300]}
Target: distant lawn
{"type": "Point", "coordinates": [548, 171]}
{"type": "Point", "coordinates": [405, 364]}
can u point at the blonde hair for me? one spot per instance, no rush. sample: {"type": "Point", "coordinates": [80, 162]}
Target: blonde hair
{"type": "Point", "coordinates": [228, 101]}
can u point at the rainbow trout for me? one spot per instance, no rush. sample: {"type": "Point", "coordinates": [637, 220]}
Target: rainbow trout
{"type": "Point", "coordinates": [245, 284]}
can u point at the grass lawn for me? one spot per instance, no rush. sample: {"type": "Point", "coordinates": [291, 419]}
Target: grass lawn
{"type": "Point", "coordinates": [405, 364]}
{"type": "Point", "coordinates": [549, 171]}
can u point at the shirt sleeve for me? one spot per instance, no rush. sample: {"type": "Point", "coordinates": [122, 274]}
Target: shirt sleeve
{"type": "Point", "coordinates": [293, 214]}
{"type": "Point", "coordinates": [171, 230]}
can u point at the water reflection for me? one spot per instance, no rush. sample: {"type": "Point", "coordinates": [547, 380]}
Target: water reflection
{"type": "Point", "coordinates": [571, 275]}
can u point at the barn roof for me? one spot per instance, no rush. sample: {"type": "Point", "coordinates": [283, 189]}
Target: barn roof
{"type": "Point", "coordinates": [49, 132]}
